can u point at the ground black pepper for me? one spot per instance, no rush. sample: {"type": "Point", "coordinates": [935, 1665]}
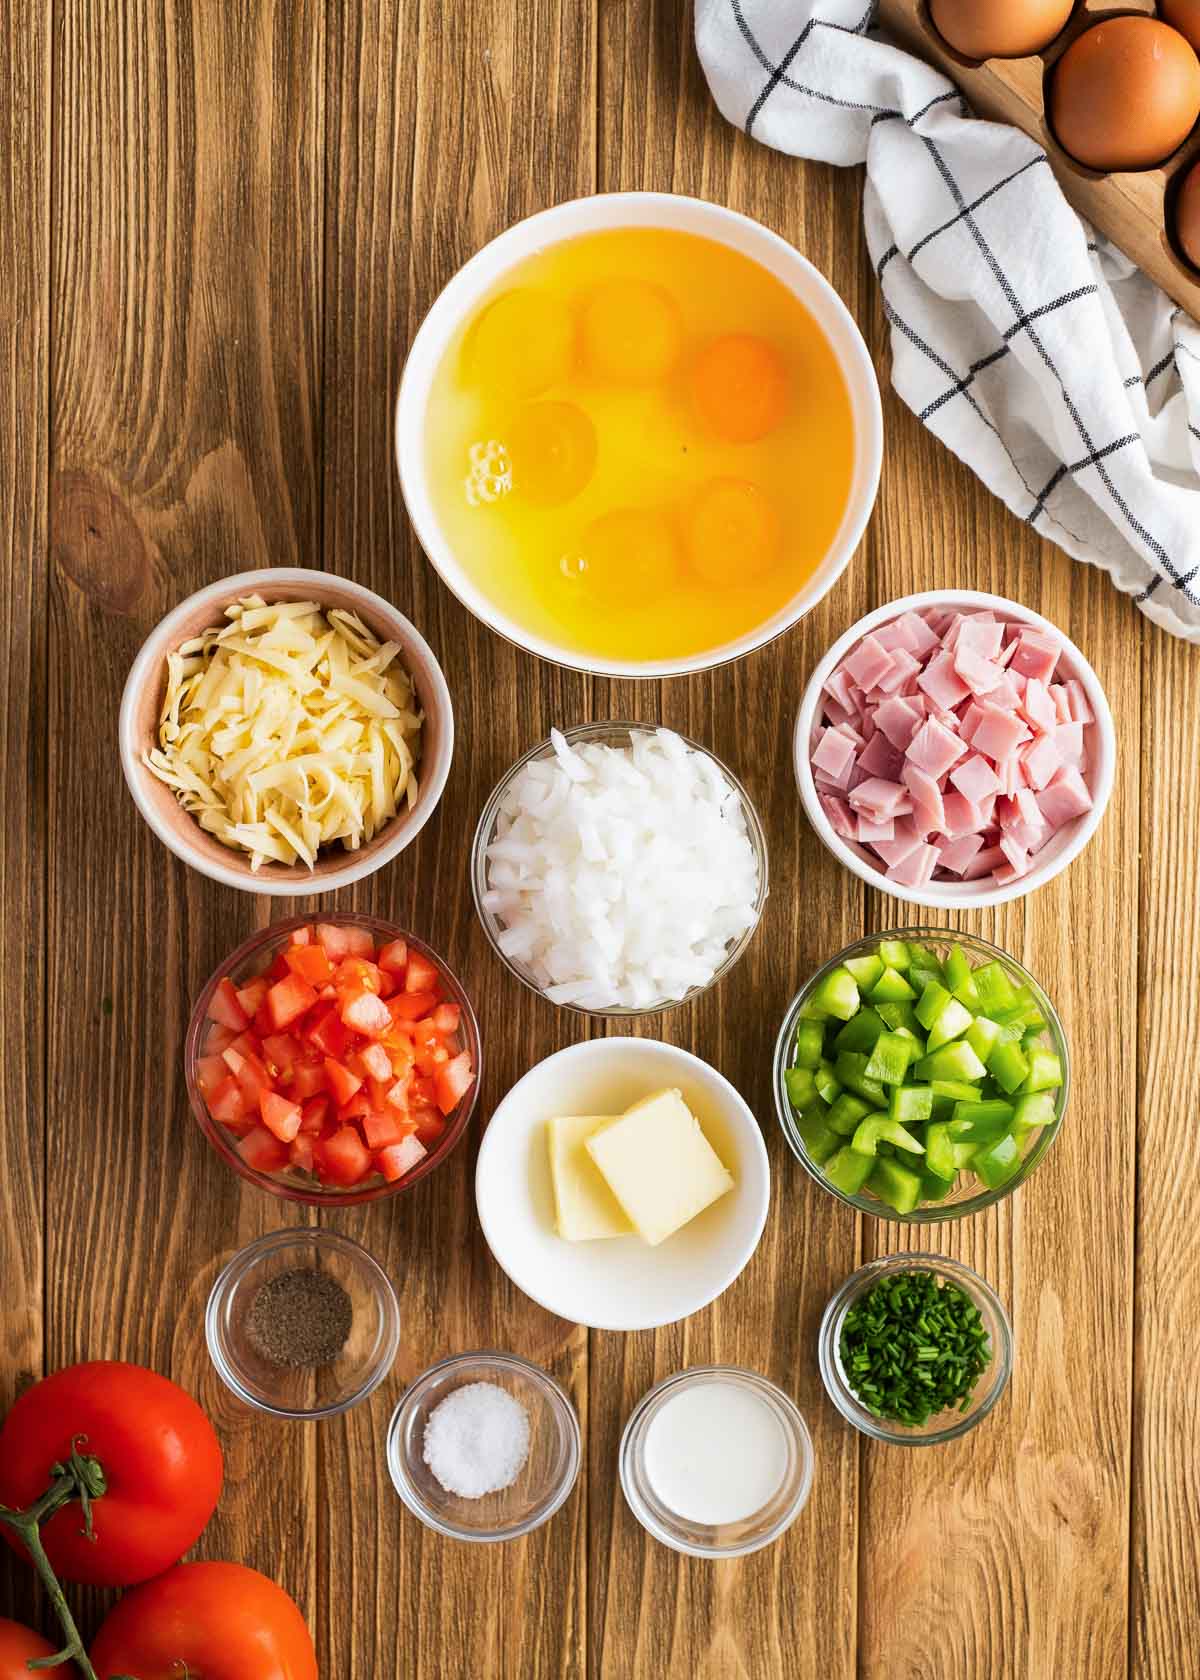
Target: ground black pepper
{"type": "Point", "coordinates": [300, 1317]}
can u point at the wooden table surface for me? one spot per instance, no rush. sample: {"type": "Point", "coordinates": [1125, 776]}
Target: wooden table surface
{"type": "Point", "coordinates": [219, 227]}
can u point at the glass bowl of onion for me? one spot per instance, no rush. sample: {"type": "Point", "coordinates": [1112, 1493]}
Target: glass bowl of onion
{"type": "Point", "coordinates": [619, 869]}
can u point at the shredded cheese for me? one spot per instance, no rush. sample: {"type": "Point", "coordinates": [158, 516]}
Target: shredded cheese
{"type": "Point", "coordinates": [287, 729]}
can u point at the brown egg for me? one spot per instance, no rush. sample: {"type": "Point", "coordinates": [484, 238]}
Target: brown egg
{"type": "Point", "coordinates": [1124, 94]}
{"type": "Point", "coordinates": [999, 28]}
{"type": "Point", "coordinates": [1187, 216]}
{"type": "Point", "coordinates": [1183, 15]}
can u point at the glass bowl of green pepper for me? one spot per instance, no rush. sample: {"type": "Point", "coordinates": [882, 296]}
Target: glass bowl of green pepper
{"type": "Point", "coordinates": [921, 1075]}
{"type": "Point", "coordinates": [915, 1349]}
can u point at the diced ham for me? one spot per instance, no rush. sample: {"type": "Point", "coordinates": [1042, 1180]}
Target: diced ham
{"type": "Point", "coordinates": [904, 666]}
{"type": "Point", "coordinates": [982, 676]}
{"type": "Point", "coordinates": [998, 733]}
{"type": "Point", "coordinates": [1077, 700]}
{"type": "Point", "coordinates": [868, 663]}
{"type": "Point", "coordinates": [895, 635]}
{"type": "Point", "coordinates": [915, 870]}
{"type": "Point", "coordinates": [942, 683]}
{"type": "Point", "coordinates": [1037, 654]}
{"type": "Point", "coordinates": [1018, 858]}
{"type": "Point", "coordinates": [1066, 798]}
{"type": "Point", "coordinates": [934, 748]}
{"type": "Point", "coordinates": [1038, 707]}
{"type": "Point", "coordinates": [975, 778]}
{"type": "Point", "coordinates": [838, 686]}
{"type": "Point", "coordinates": [956, 854]}
{"type": "Point", "coordinates": [840, 816]}
{"type": "Point", "coordinates": [926, 796]}
{"type": "Point", "coordinates": [1041, 759]}
{"type": "Point", "coordinates": [833, 712]}
{"type": "Point", "coordinates": [834, 755]}
{"type": "Point", "coordinates": [922, 639]}
{"type": "Point", "coordinates": [980, 635]}
{"type": "Point", "coordinates": [906, 840]}
{"type": "Point", "coordinates": [879, 799]}
{"type": "Point", "coordinates": [881, 758]}
{"type": "Point", "coordinates": [1068, 739]}
{"type": "Point", "coordinates": [985, 862]}
{"type": "Point", "coordinates": [1062, 701]}
{"type": "Point", "coordinates": [898, 720]}
{"type": "Point", "coordinates": [868, 832]}
{"type": "Point", "coordinates": [960, 816]}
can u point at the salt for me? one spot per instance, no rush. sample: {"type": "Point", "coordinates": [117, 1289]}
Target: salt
{"type": "Point", "coordinates": [477, 1440]}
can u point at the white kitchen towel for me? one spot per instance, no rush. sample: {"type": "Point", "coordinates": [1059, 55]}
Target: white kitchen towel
{"type": "Point", "coordinates": [1063, 376]}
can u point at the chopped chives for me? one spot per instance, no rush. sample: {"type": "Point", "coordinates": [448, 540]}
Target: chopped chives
{"type": "Point", "coordinates": [912, 1346]}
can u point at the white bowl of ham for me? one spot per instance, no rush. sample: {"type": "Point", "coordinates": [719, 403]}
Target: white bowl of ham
{"type": "Point", "coordinates": [955, 749]}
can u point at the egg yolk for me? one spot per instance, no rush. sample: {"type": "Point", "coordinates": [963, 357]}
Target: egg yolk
{"type": "Point", "coordinates": [630, 332]}
{"type": "Point", "coordinates": [740, 387]}
{"type": "Point", "coordinates": [626, 557]}
{"type": "Point", "coordinates": [521, 345]}
{"type": "Point", "coordinates": [552, 449]}
{"type": "Point", "coordinates": [731, 532]}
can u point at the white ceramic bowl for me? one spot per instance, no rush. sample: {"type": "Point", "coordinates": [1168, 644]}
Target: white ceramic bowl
{"type": "Point", "coordinates": [618, 1283]}
{"type": "Point", "coordinates": [1100, 739]}
{"type": "Point", "coordinates": [178, 829]}
{"type": "Point", "coordinates": [590, 215]}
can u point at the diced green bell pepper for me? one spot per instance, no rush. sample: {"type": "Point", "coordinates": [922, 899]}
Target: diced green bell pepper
{"type": "Point", "coordinates": [994, 988]}
{"type": "Point", "coordinates": [811, 1012]}
{"type": "Point", "coordinates": [850, 1068]}
{"type": "Point", "coordinates": [1045, 1071]}
{"type": "Point", "coordinates": [848, 1171]}
{"type": "Point", "coordinates": [1024, 1011]}
{"type": "Point", "coordinates": [996, 1163]}
{"type": "Point", "coordinates": [893, 952]}
{"type": "Point", "coordinates": [1036, 1108]}
{"type": "Point", "coordinates": [801, 1086]}
{"type": "Point", "coordinates": [866, 970]}
{"type": "Point", "coordinates": [891, 987]}
{"type": "Point", "coordinates": [902, 1014]}
{"type": "Point", "coordinates": [859, 1033]}
{"type": "Point", "coordinates": [910, 1104]}
{"type": "Point", "coordinates": [810, 1044]}
{"type": "Point", "coordinates": [880, 1128]}
{"type": "Point", "coordinates": [944, 1155]}
{"type": "Point", "coordinates": [838, 994]}
{"type": "Point", "coordinates": [980, 1122]}
{"type": "Point", "coordinates": [952, 1061]}
{"type": "Point", "coordinates": [888, 1061]}
{"type": "Point", "coordinates": [934, 1188]}
{"type": "Point", "coordinates": [1031, 1039]}
{"type": "Point", "coordinates": [932, 1001]}
{"type": "Point", "coordinates": [1008, 1066]}
{"type": "Point", "coordinates": [896, 1185]}
{"type": "Point", "coordinates": [983, 1036]}
{"type": "Point", "coordinates": [846, 1112]}
{"type": "Point", "coordinates": [828, 1084]}
{"type": "Point", "coordinates": [960, 979]}
{"type": "Point", "coordinates": [952, 1023]}
{"type": "Point", "coordinates": [818, 1137]}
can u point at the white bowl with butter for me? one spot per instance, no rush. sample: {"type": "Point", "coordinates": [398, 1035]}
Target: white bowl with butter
{"type": "Point", "coordinates": [629, 1274]}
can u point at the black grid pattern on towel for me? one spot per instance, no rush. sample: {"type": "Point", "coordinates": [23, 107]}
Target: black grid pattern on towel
{"type": "Point", "coordinates": [1093, 454]}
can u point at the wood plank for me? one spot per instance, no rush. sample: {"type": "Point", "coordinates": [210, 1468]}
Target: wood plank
{"type": "Point", "coordinates": [652, 1611]}
{"type": "Point", "coordinates": [446, 125]}
{"type": "Point", "coordinates": [1041, 1490]}
{"type": "Point", "coordinates": [186, 279]}
{"type": "Point", "coordinates": [24, 466]}
{"type": "Point", "coordinates": [1166, 1419]}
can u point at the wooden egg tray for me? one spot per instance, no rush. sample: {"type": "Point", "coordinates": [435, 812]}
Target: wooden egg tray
{"type": "Point", "coordinates": [1135, 210]}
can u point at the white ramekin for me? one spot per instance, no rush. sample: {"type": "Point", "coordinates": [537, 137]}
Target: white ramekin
{"type": "Point", "coordinates": [1070, 840]}
{"type": "Point", "coordinates": [179, 830]}
{"type": "Point", "coordinates": [591, 215]}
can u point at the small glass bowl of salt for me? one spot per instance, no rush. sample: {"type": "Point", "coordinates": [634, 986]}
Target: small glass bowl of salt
{"type": "Point", "coordinates": [484, 1446]}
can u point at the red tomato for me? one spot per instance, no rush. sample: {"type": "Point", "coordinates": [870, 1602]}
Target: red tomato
{"type": "Point", "coordinates": [393, 956]}
{"type": "Point", "coordinates": [262, 1150]}
{"type": "Point", "coordinates": [343, 1158]}
{"type": "Point", "coordinates": [313, 1114]}
{"type": "Point", "coordinates": [381, 1129]}
{"type": "Point", "coordinates": [279, 1115]}
{"type": "Point", "coordinates": [420, 975]}
{"type": "Point", "coordinates": [219, 1620]}
{"type": "Point", "coordinates": [300, 1152]}
{"type": "Point", "coordinates": [211, 1073]}
{"type": "Point", "coordinates": [225, 1009]}
{"type": "Point", "coordinates": [452, 1082]}
{"type": "Point", "coordinates": [447, 1018]}
{"type": "Point", "coordinates": [250, 996]}
{"type": "Point", "coordinates": [308, 1080]}
{"type": "Point", "coordinates": [300, 936]}
{"type": "Point", "coordinates": [342, 1083]}
{"type": "Point", "coordinates": [410, 1006]}
{"type": "Point", "coordinates": [399, 1158]}
{"type": "Point", "coordinates": [376, 1061]}
{"type": "Point", "coordinates": [19, 1646]}
{"type": "Point", "coordinates": [326, 1032]}
{"type": "Point", "coordinates": [160, 1457]}
{"type": "Point", "coordinates": [339, 942]}
{"type": "Point", "coordinates": [310, 962]}
{"type": "Point", "coordinates": [288, 999]}
{"type": "Point", "coordinates": [366, 1013]}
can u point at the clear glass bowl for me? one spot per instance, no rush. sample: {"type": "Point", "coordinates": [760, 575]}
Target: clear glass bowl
{"type": "Point", "coordinates": [723, 1540]}
{"type": "Point", "coordinates": [945, 1426]}
{"type": "Point", "coordinates": [962, 1200]}
{"type": "Point", "coordinates": [609, 734]}
{"type": "Point", "coordinates": [251, 959]}
{"type": "Point", "coordinates": [542, 1485]}
{"type": "Point", "coordinates": [289, 1391]}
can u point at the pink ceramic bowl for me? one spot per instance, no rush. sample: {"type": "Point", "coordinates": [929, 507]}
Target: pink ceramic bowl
{"type": "Point", "coordinates": [178, 829]}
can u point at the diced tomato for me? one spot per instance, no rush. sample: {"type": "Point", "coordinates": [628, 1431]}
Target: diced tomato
{"type": "Point", "coordinates": [397, 1095]}
{"type": "Point", "coordinates": [279, 1115]}
{"type": "Point", "coordinates": [376, 1061]}
{"type": "Point", "coordinates": [288, 999]}
{"type": "Point", "coordinates": [218, 1038]}
{"type": "Point", "coordinates": [447, 1018]}
{"type": "Point", "coordinates": [300, 936]}
{"type": "Point", "coordinates": [453, 1081]}
{"type": "Point", "coordinates": [250, 996]}
{"type": "Point", "coordinates": [229, 1106]}
{"type": "Point", "coordinates": [400, 1158]}
{"type": "Point", "coordinates": [341, 1081]}
{"type": "Point", "coordinates": [430, 1057]}
{"type": "Point", "coordinates": [224, 1007]}
{"type": "Point", "coordinates": [279, 969]}
{"type": "Point", "coordinates": [382, 1129]}
{"type": "Point", "coordinates": [420, 975]}
{"type": "Point", "coordinates": [300, 1152]}
{"type": "Point", "coordinates": [308, 1080]}
{"type": "Point", "coordinates": [421, 1091]}
{"type": "Point", "coordinates": [246, 1044]}
{"type": "Point", "coordinates": [358, 1105]}
{"type": "Point", "coordinates": [393, 956]}
{"type": "Point", "coordinates": [249, 1072]}
{"type": "Point", "coordinates": [326, 1033]}
{"type": "Point", "coordinates": [264, 1024]}
{"type": "Point", "coordinates": [212, 1072]}
{"type": "Point", "coordinates": [339, 942]}
{"type": "Point", "coordinates": [410, 1006]}
{"type": "Point", "coordinates": [356, 975]}
{"type": "Point", "coordinates": [367, 1014]}
{"type": "Point", "coordinates": [280, 1052]}
{"type": "Point", "coordinates": [313, 1115]}
{"type": "Point", "coordinates": [430, 1126]}
{"type": "Point", "coordinates": [388, 983]}
{"type": "Point", "coordinates": [343, 1158]}
{"type": "Point", "coordinates": [425, 1032]}
{"type": "Point", "coordinates": [310, 962]}
{"type": "Point", "coordinates": [262, 1151]}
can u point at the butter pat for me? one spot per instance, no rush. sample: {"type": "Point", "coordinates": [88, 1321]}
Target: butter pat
{"type": "Point", "coordinates": [584, 1206]}
{"type": "Point", "coordinates": [659, 1165]}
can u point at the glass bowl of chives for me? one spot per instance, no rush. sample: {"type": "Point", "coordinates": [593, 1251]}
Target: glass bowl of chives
{"type": "Point", "coordinates": [915, 1349]}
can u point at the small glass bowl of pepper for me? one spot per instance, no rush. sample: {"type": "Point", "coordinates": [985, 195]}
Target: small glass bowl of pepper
{"type": "Point", "coordinates": [915, 1349]}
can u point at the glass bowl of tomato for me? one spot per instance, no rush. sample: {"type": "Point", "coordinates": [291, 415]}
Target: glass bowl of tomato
{"type": "Point", "coordinates": [333, 1060]}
